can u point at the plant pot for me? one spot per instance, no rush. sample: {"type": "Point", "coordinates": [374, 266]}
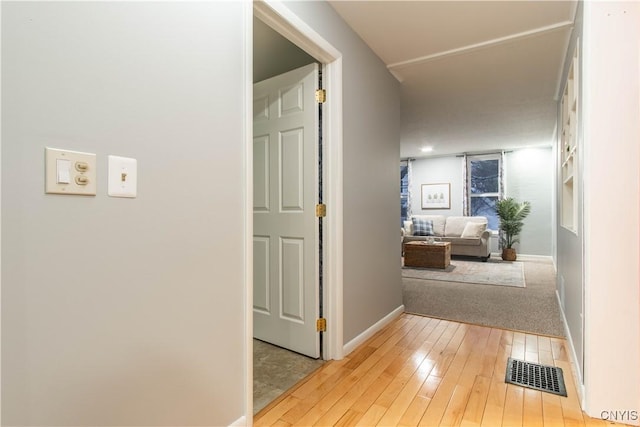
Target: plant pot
{"type": "Point", "coordinates": [509, 254]}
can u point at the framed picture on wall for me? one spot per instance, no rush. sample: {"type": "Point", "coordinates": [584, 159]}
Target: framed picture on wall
{"type": "Point", "coordinates": [436, 196]}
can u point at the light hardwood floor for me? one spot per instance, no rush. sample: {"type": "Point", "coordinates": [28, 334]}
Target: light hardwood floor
{"type": "Point", "coordinates": [420, 371]}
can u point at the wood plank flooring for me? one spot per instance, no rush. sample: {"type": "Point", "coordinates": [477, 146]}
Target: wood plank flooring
{"type": "Point", "coordinates": [420, 371]}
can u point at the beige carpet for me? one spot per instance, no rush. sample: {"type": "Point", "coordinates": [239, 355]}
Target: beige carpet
{"type": "Point", "coordinates": [531, 309]}
{"type": "Point", "coordinates": [493, 272]}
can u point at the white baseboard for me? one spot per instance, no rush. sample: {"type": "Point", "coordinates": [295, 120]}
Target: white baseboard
{"type": "Point", "coordinates": [240, 422]}
{"type": "Point", "coordinates": [545, 257]}
{"type": "Point", "coordinates": [351, 345]}
{"type": "Point", "coordinates": [525, 256]}
{"type": "Point", "coordinates": [573, 355]}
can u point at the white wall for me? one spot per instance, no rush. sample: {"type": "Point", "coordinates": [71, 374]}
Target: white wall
{"type": "Point", "coordinates": [437, 170]}
{"type": "Point", "coordinates": [612, 199]}
{"type": "Point", "coordinates": [124, 311]}
{"type": "Point", "coordinates": [273, 54]}
{"type": "Point", "coordinates": [570, 243]}
{"type": "Point", "coordinates": [528, 176]}
{"type": "Point", "coordinates": [371, 140]}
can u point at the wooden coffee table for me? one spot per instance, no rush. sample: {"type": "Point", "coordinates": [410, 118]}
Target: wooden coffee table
{"type": "Point", "coordinates": [427, 255]}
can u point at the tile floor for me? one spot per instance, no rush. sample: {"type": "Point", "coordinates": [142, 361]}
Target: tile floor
{"type": "Point", "coordinates": [275, 370]}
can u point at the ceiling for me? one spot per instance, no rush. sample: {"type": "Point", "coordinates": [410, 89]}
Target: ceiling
{"type": "Point", "coordinates": [274, 54]}
{"type": "Point", "coordinates": [475, 76]}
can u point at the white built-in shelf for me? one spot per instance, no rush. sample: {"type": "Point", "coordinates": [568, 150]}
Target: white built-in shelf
{"type": "Point", "coordinates": [569, 146]}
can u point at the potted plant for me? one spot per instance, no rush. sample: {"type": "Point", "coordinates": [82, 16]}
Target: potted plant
{"type": "Point", "coordinates": [511, 214]}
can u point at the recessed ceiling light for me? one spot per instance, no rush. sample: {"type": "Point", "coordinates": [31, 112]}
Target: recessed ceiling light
{"type": "Point", "coordinates": [426, 149]}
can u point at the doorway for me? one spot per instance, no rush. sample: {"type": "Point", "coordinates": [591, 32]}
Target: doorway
{"type": "Point", "coordinates": [287, 163]}
{"type": "Point", "coordinates": [279, 19]}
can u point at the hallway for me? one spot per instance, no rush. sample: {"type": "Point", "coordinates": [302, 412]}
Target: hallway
{"type": "Point", "coordinates": [421, 371]}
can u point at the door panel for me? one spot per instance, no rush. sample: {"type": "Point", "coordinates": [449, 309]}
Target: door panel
{"type": "Point", "coordinates": [260, 109]}
{"type": "Point", "coordinates": [292, 279]}
{"type": "Point", "coordinates": [292, 170]}
{"type": "Point", "coordinates": [292, 100]}
{"type": "Point", "coordinates": [286, 301]}
{"type": "Point", "coordinates": [261, 291]}
{"type": "Point", "coordinates": [261, 149]}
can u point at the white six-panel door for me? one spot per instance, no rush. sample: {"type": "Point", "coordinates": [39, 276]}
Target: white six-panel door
{"type": "Point", "coordinates": [285, 242]}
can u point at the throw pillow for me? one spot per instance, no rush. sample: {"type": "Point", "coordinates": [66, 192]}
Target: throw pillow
{"type": "Point", "coordinates": [422, 227]}
{"type": "Point", "coordinates": [473, 230]}
{"type": "Point", "coordinates": [408, 228]}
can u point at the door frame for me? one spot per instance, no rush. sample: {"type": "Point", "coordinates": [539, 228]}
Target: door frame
{"type": "Point", "coordinates": [275, 14]}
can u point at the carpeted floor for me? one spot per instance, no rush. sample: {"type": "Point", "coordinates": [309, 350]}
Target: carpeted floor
{"type": "Point", "coordinates": [531, 309]}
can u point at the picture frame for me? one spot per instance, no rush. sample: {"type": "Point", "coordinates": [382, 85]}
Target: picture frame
{"type": "Point", "coordinates": [436, 196]}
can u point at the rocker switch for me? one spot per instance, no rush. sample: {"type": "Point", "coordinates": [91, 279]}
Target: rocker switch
{"type": "Point", "coordinates": [62, 171]}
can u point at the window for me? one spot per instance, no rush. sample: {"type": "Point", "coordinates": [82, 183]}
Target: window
{"type": "Point", "coordinates": [404, 193]}
{"type": "Point", "coordinates": [484, 187]}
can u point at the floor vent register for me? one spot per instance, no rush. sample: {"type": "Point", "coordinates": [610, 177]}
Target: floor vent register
{"type": "Point", "coordinates": [535, 376]}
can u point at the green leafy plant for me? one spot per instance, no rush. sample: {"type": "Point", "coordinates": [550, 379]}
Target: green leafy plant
{"type": "Point", "coordinates": [511, 214]}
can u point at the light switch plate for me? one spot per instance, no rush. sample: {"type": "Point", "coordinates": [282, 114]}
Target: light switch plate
{"type": "Point", "coordinates": [78, 176]}
{"type": "Point", "coordinates": [123, 177]}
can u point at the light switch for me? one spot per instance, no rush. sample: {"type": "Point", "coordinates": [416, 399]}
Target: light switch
{"type": "Point", "coordinates": [63, 176]}
{"type": "Point", "coordinates": [123, 177]}
{"type": "Point", "coordinates": [62, 169]}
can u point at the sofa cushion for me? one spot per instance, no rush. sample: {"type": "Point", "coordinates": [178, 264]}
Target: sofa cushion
{"type": "Point", "coordinates": [455, 224]}
{"type": "Point", "coordinates": [422, 227]}
{"type": "Point", "coordinates": [461, 241]}
{"type": "Point", "coordinates": [473, 230]}
{"type": "Point", "coordinates": [438, 223]}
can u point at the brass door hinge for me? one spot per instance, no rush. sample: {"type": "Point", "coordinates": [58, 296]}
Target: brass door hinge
{"type": "Point", "coordinates": [321, 210]}
{"type": "Point", "coordinates": [321, 325]}
{"type": "Point", "coordinates": [321, 96]}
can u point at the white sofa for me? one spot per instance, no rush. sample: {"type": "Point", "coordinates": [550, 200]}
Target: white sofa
{"type": "Point", "coordinates": [469, 240]}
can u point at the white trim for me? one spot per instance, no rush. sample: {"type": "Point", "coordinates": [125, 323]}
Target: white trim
{"type": "Point", "coordinates": [524, 257]}
{"type": "Point", "coordinates": [280, 18]}
{"type": "Point", "coordinates": [561, 72]}
{"type": "Point", "coordinates": [247, 15]}
{"type": "Point", "coordinates": [371, 331]}
{"type": "Point", "coordinates": [240, 422]}
{"type": "Point", "coordinates": [561, 75]}
{"type": "Point", "coordinates": [275, 14]}
{"type": "Point", "coordinates": [334, 220]}
{"type": "Point", "coordinates": [489, 43]}
{"type": "Point", "coordinates": [584, 157]}
{"type": "Point", "coordinates": [577, 372]}
{"type": "Point", "coordinates": [541, 257]}
{"type": "Point", "coordinates": [0, 238]}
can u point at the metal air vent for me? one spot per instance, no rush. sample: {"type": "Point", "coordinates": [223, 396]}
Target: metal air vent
{"type": "Point", "coordinates": [535, 376]}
